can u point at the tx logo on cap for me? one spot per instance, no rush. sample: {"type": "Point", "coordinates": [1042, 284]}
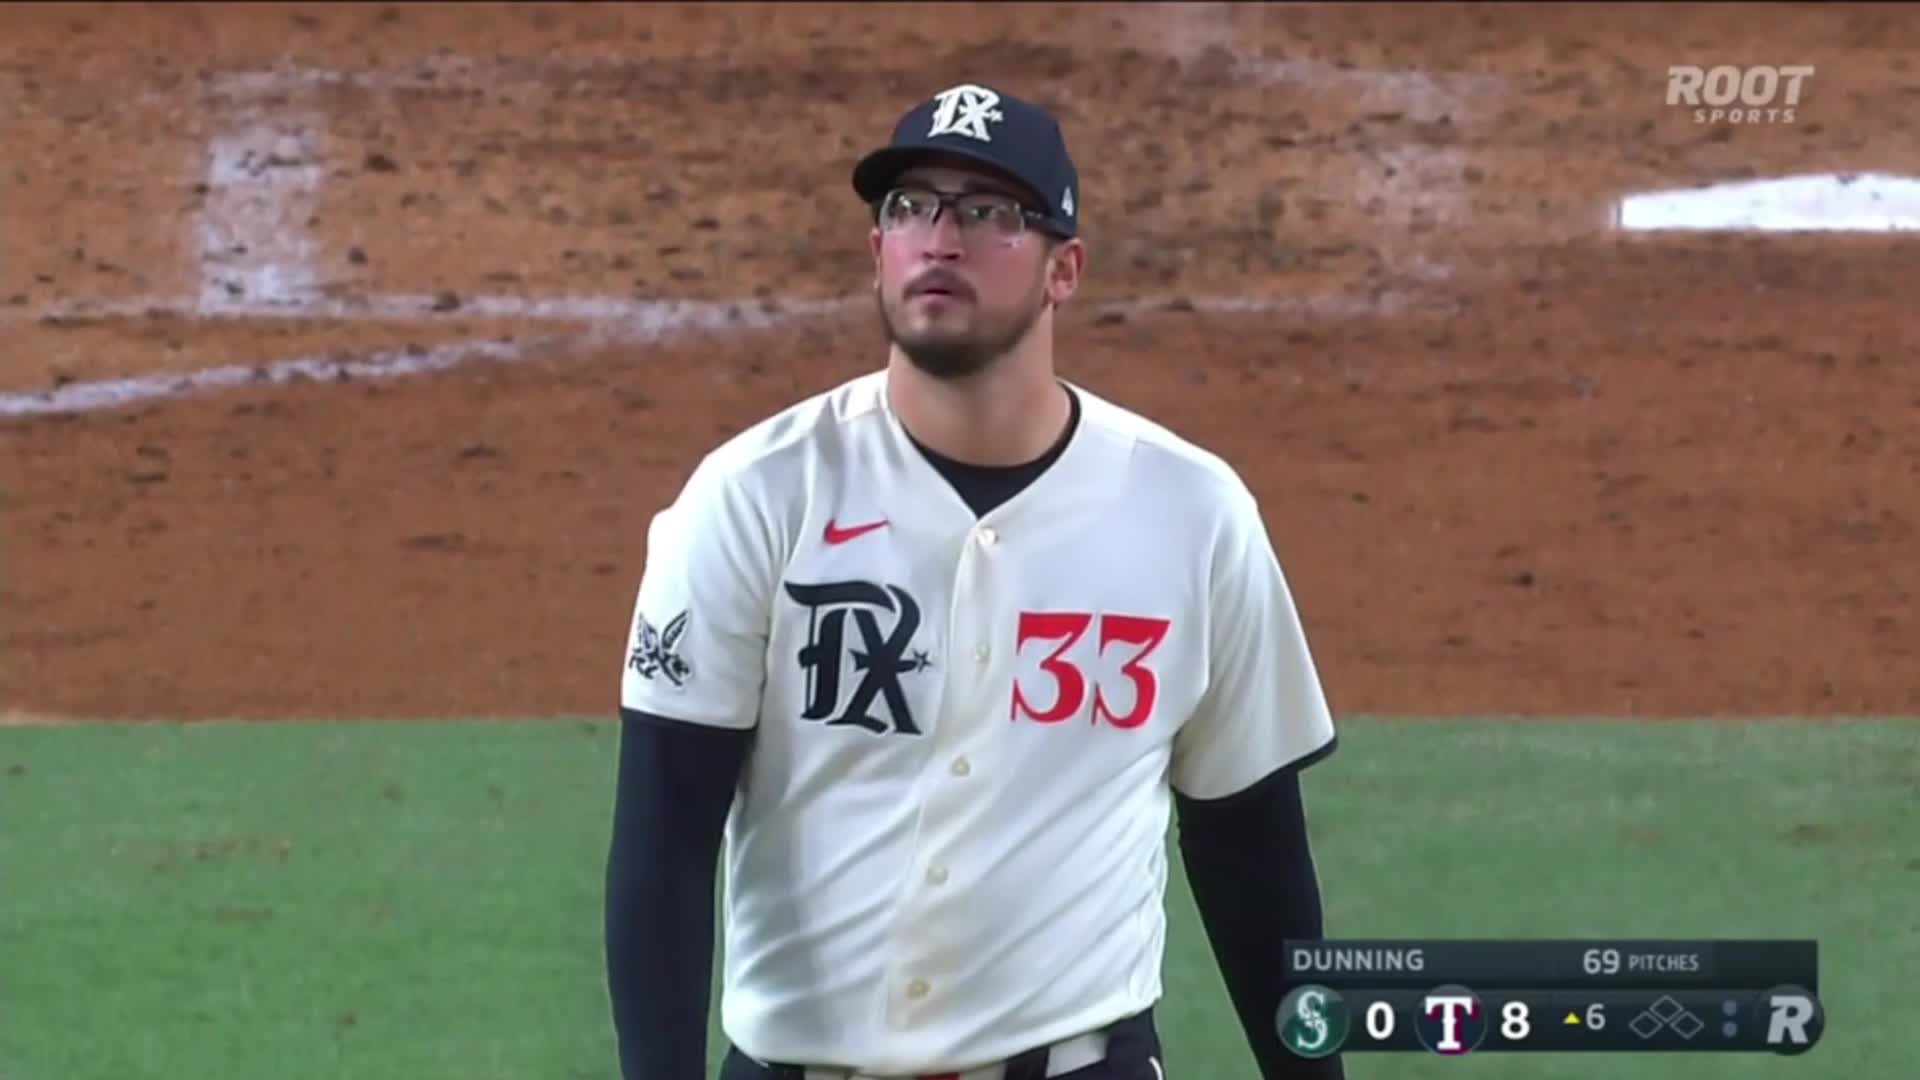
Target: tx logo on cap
{"type": "Point", "coordinates": [965, 110]}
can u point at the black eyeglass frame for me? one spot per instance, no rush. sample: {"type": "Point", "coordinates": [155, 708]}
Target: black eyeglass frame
{"type": "Point", "coordinates": [1038, 220]}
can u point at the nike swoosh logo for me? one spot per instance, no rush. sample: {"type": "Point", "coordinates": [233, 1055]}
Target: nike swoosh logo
{"type": "Point", "coordinates": [837, 535]}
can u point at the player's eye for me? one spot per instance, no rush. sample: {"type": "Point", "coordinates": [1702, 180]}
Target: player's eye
{"type": "Point", "coordinates": [996, 213]}
{"type": "Point", "coordinates": [907, 204]}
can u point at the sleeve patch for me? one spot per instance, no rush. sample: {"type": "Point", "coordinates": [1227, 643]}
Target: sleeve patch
{"type": "Point", "coordinates": [656, 653]}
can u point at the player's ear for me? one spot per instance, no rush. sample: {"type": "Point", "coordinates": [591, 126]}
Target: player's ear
{"type": "Point", "coordinates": [1066, 266]}
{"type": "Point", "coordinates": [873, 242]}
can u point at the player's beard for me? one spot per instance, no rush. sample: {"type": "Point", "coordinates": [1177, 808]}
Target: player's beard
{"type": "Point", "coordinates": [946, 354]}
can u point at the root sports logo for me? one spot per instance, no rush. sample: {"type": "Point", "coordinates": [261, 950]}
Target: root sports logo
{"type": "Point", "coordinates": [1726, 94]}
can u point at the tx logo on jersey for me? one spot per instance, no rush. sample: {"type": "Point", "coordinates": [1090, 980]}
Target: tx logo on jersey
{"type": "Point", "coordinates": [657, 652]}
{"type": "Point", "coordinates": [965, 110]}
{"type": "Point", "coordinates": [880, 655]}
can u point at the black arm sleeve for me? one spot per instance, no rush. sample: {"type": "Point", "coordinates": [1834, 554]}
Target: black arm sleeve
{"type": "Point", "coordinates": [675, 785]}
{"type": "Point", "coordinates": [1251, 868]}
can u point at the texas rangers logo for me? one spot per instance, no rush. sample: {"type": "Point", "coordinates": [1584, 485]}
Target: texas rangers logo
{"type": "Point", "coordinates": [657, 652]}
{"type": "Point", "coordinates": [879, 659]}
{"type": "Point", "coordinates": [1452, 1021]}
{"type": "Point", "coordinates": [965, 110]}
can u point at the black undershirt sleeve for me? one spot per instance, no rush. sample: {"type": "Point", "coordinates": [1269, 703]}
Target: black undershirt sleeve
{"type": "Point", "coordinates": [1250, 864]}
{"type": "Point", "coordinates": [675, 785]}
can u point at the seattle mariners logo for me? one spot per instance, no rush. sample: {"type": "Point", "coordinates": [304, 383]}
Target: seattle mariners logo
{"type": "Point", "coordinates": [657, 652]}
{"type": "Point", "coordinates": [1313, 1021]}
{"type": "Point", "coordinates": [965, 110]}
{"type": "Point", "coordinates": [879, 659]}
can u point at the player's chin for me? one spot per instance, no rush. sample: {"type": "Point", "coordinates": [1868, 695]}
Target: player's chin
{"type": "Point", "coordinates": [957, 337]}
{"type": "Point", "coordinates": [939, 310]}
{"type": "Point", "coordinates": [944, 327]}
{"type": "Point", "coordinates": [946, 355]}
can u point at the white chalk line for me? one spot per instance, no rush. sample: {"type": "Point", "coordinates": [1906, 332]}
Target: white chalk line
{"type": "Point", "coordinates": [648, 316]}
{"type": "Point", "coordinates": [80, 397]}
{"type": "Point", "coordinates": [274, 82]}
{"type": "Point", "coordinates": [1823, 202]}
{"type": "Point", "coordinates": [612, 322]}
{"type": "Point", "coordinates": [652, 319]}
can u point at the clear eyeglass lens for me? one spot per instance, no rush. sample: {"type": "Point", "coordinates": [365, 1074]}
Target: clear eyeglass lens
{"type": "Point", "coordinates": [976, 211]}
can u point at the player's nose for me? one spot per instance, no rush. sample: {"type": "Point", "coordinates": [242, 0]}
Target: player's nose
{"type": "Point", "coordinates": [941, 240]}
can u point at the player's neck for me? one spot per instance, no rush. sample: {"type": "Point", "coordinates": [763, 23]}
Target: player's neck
{"type": "Point", "coordinates": [1009, 414]}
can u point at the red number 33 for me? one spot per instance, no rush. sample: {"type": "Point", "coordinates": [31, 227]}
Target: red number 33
{"type": "Point", "coordinates": [1070, 682]}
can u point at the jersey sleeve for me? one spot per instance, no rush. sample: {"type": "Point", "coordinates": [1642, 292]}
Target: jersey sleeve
{"type": "Point", "coordinates": [696, 645]}
{"type": "Point", "coordinates": [1264, 708]}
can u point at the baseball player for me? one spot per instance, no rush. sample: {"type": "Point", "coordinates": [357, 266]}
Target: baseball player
{"type": "Point", "coordinates": [936, 655]}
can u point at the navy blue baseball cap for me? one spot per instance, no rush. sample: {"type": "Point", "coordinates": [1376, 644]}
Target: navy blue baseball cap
{"type": "Point", "coordinates": [1016, 138]}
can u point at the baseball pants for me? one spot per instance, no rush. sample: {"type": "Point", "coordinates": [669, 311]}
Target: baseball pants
{"type": "Point", "coordinates": [1132, 1052]}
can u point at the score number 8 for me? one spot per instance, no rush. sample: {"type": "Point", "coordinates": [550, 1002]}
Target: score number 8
{"type": "Point", "coordinates": [1601, 962]}
{"type": "Point", "coordinates": [1515, 1021]}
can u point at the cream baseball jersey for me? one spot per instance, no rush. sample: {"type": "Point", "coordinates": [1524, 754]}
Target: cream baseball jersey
{"type": "Point", "coordinates": [949, 841]}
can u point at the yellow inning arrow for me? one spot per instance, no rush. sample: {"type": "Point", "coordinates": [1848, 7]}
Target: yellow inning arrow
{"type": "Point", "coordinates": [1572, 1018]}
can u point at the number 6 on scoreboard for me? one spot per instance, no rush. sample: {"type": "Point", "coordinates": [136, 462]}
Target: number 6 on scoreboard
{"type": "Point", "coordinates": [1596, 1017]}
{"type": "Point", "coordinates": [1380, 1021]}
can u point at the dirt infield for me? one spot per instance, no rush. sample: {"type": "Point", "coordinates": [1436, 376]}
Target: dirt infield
{"type": "Point", "coordinates": [1516, 457]}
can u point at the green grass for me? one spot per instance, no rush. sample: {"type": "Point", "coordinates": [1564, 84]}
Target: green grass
{"type": "Point", "coordinates": [349, 900]}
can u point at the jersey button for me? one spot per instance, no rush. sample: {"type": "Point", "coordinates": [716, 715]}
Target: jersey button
{"type": "Point", "coordinates": [961, 767]}
{"type": "Point", "coordinates": [937, 875]}
{"type": "Point", "coordinates": [918, 989]}
{"type": "Point", "coordinates": [981, 652]}
{"type": "Point", "coordinates": [988, 538]}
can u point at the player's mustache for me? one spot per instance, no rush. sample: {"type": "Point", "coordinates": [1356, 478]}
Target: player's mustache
{"type": "Point", "coordinates": [944, 280]}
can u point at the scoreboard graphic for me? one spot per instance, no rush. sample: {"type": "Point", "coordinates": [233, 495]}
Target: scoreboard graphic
{"type": "Point", "coordinates": [1460, 997]}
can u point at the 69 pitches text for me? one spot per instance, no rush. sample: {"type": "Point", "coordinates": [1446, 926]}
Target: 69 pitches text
{"type": "Point", "coordinates": [1609, 962]}
{"type": "Point", "coordinates": [1759, 94]}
